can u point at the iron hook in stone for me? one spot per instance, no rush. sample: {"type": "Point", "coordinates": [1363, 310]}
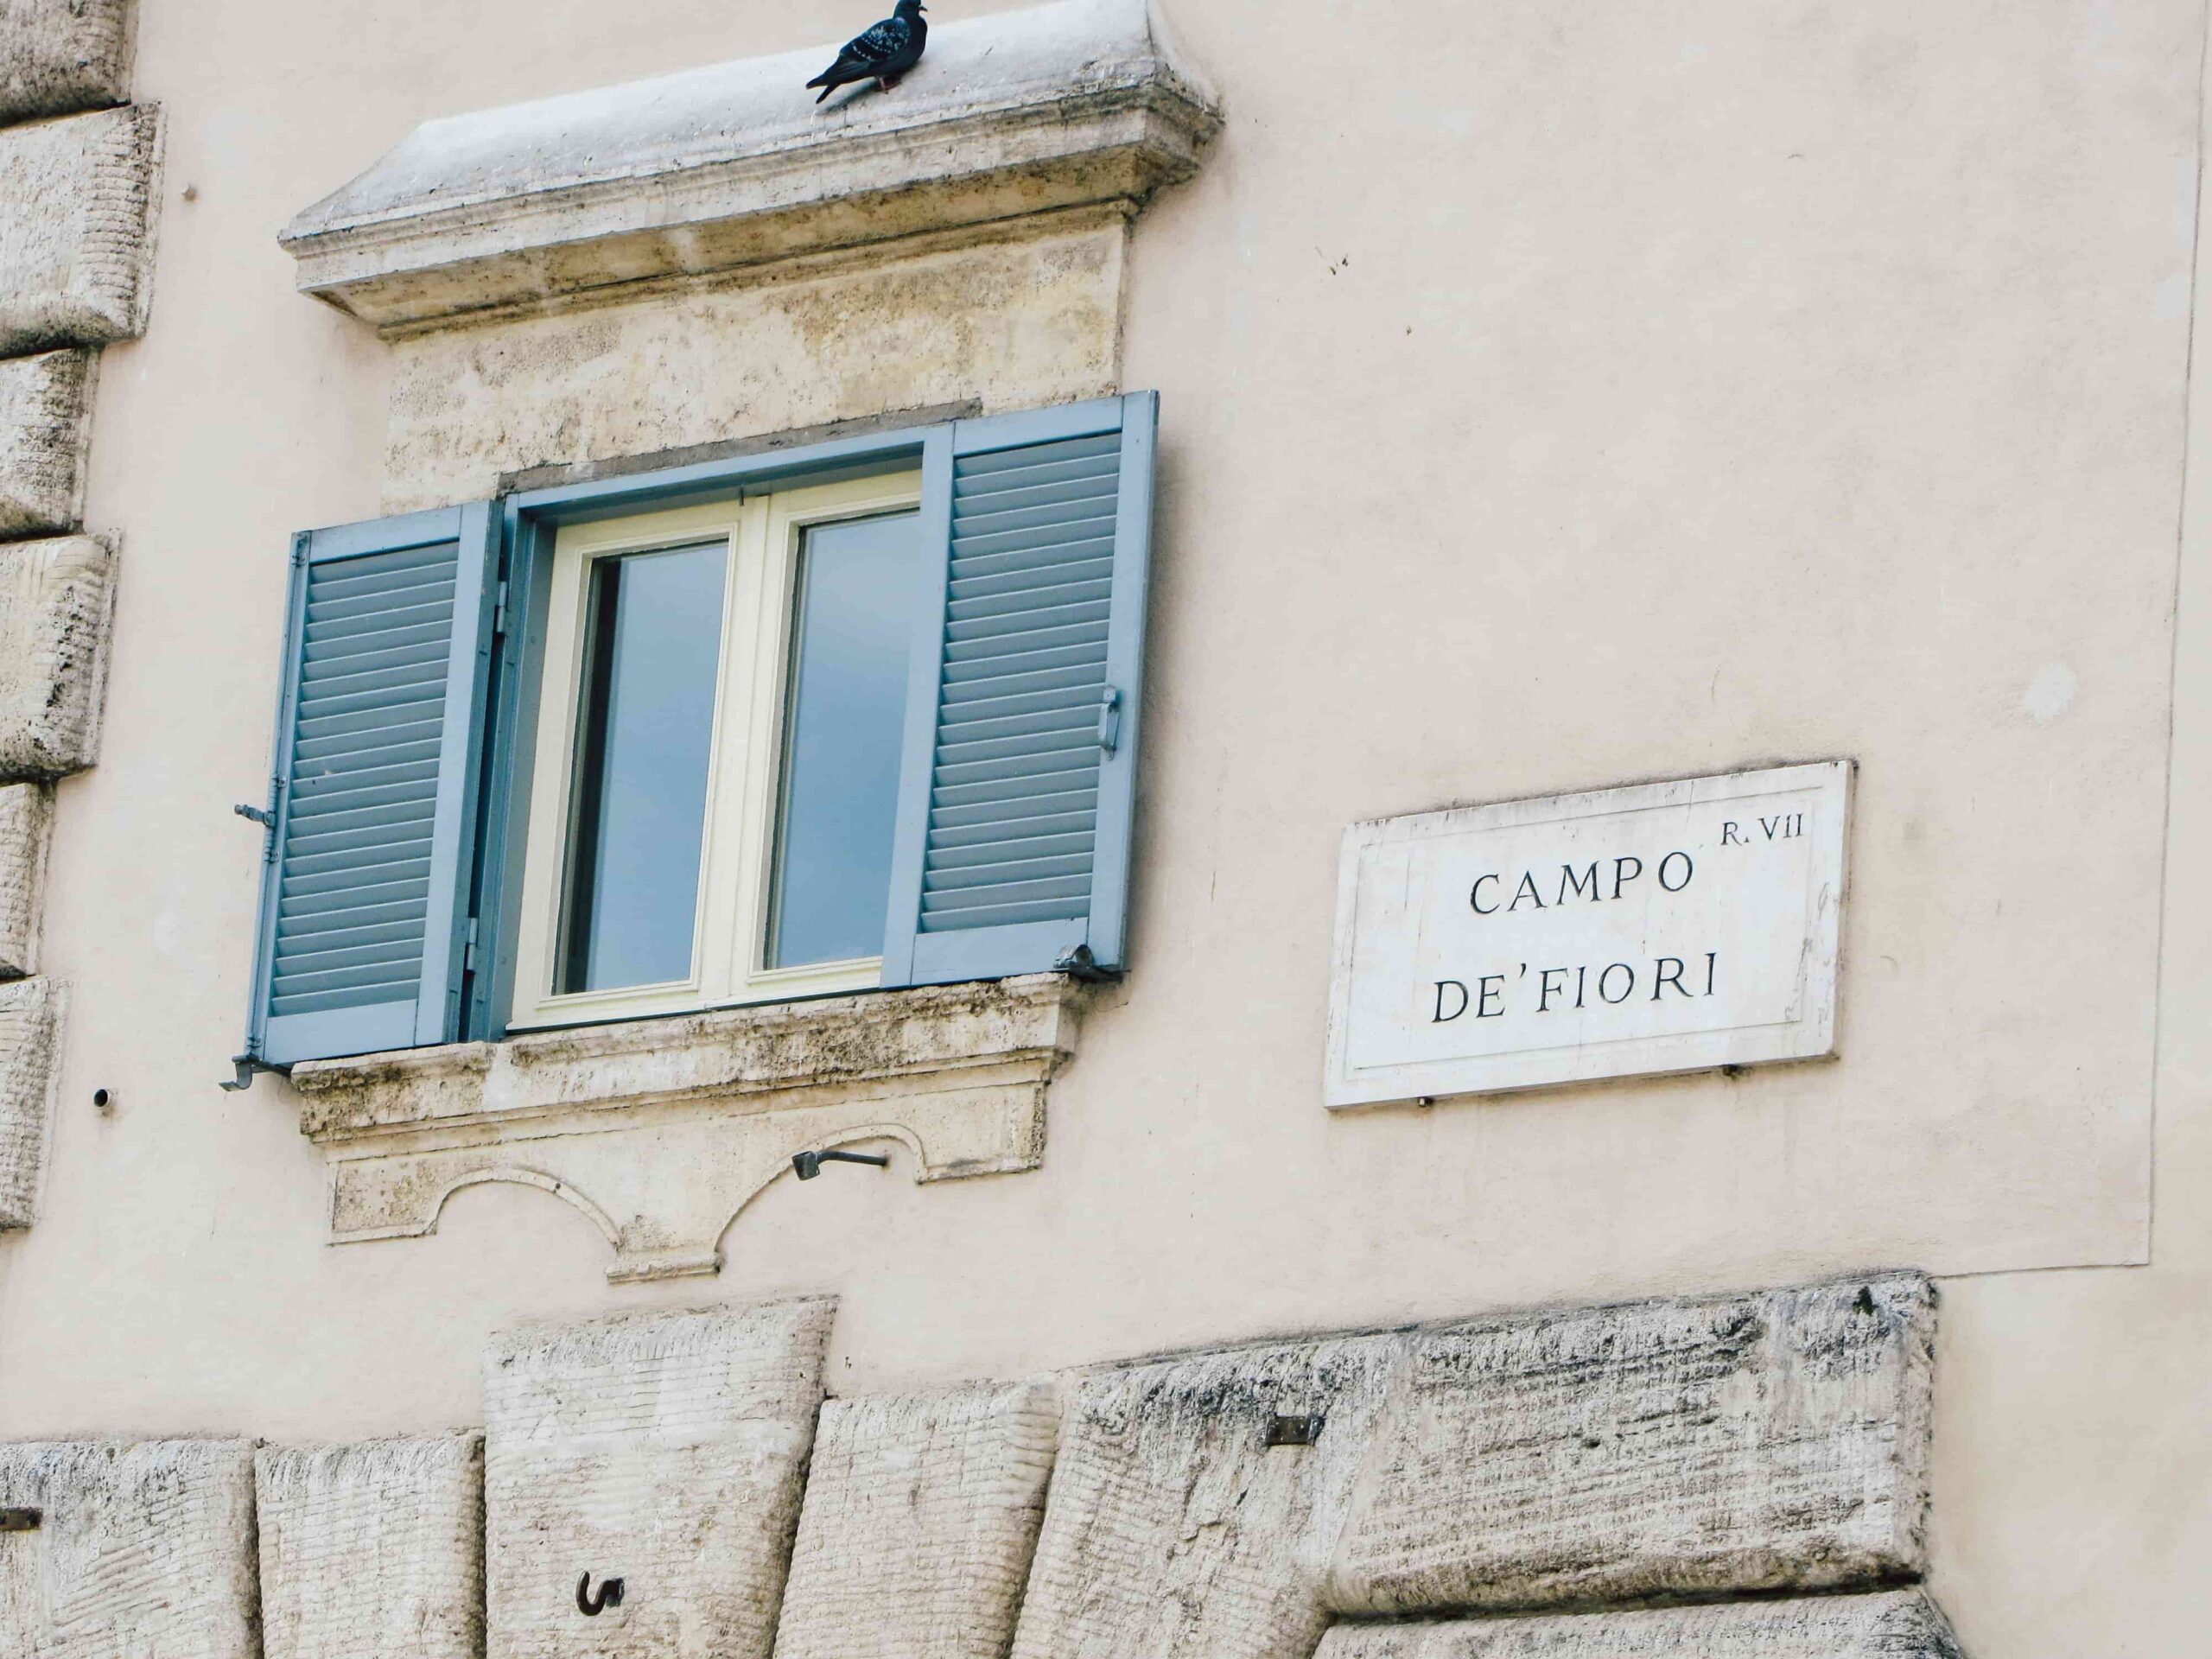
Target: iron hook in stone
{"type": "Point", "coordinates": [591, 1606]}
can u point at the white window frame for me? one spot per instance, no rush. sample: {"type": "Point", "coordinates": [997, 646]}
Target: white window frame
{"type": "Point", "coordinates": [763, 534]}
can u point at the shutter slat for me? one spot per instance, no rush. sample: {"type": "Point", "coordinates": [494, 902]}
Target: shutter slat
{"type": "Point", "coordinates": [972, 546]}
{"type": "Point", "coordinates": [1027, 768]}
{"type": "Point", "coordinates": [376, 746]}
{"type": "Point", "coordinates": [294, 964]}
{"type": "Point", "coordinates": [1073, 712]}
{"type": "Point", "coordinates": [1058, 596]}
{"type": "Point", "coordinates": [378, 570]}
{"type": "Point", "coordinates": [1033, 786]}
{"type": "Point", "coordinates": [367, 613]}
{"type": "Point", "coordinates": [1000, 821]}
{"type": "Point", "coordinates": [1040, 503]}
{"type": "Point", "coordinates": [405, 913]}
{"type": "Point", "coordinates": [1068, 734]}
{"type": "Point", "coordinates": [994, 462]}
{"type": "Point", "coordinates": [978, 646]}
{"type": "Point", "coordinates": [955, 855]}
{"type": "Point", "coordinates": [1023, 578]}
{"type": "Point", "coordinates": [1011, 873]}
{"type": "Point", "coordinates": [1051, 558]}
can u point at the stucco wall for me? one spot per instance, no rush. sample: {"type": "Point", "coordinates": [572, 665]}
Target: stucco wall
{"type": "Point", "coordinates": [1649, 390]}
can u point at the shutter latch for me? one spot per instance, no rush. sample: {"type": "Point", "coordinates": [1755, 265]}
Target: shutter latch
{"type": "Point", "coordinates": [1110, 719]}
{"type": "Point", "coordinates": [266, 817]}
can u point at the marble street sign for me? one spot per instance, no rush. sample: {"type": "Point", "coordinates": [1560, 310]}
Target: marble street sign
{"type": "Point", "coordinates": [1659, 927]}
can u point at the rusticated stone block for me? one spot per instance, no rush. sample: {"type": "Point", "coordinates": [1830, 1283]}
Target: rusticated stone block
{"type": "Point", "coordinates": [1776, 1441]}
{"type": "Point", "coordinates": [373, 1551]}
{"type": "Point", "coordinates": [30, 1029]}
{"type": "Point", "coordinates": [1176, 1530]}
{"type": "Point", "coordinates": [921, 1515]}
{"type": "Point", "coordinates": [45, 429]}
{"type": "Point", "coordinates": [665, 1450]}
{"type": "Point", "coordinates": [143, 1550]}
{"type": "Point", "coordinates": [59, 55]}
{"type": "Point", "coordinates": [76, 248]}
{"type": "Point", "coordinates": [26, 815]}
{"type": "Point", "coordinates": [1901, 1624]}
{"type": "Point", "coordinates": [55, 599]}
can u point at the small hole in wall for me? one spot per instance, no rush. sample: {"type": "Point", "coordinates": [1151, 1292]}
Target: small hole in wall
{"type": "Point", "coordinates": [192, 193]}
{"type": "Point", "coordinates": [102, 1100]}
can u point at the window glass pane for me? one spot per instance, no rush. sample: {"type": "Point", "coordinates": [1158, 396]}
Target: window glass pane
{"type": "Point", "coordinates": [851, 632]}
{"type": "Point", "coordinates": [652, 640]}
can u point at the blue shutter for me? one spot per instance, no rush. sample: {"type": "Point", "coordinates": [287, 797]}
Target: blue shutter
{"type": "Point", "coordinates": [1018, 787]}
{"type": "Point", "coordinates": [379, 743]}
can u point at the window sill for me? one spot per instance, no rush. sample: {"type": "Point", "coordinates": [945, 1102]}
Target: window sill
{"type": "Point", "coordinates": [1009, 115]}
{"type": "Point", "coordinates": [660, 1131]}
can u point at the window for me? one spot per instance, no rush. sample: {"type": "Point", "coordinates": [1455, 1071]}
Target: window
{"type": "Point", "coordinates": [720, 720]}
{"type": "Point", "coordinates": [814, 721]}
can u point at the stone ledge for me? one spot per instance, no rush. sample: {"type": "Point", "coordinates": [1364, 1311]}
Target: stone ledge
{"type": "Point", "coordinates": [45, 429]}
{"type": "Point", "coordinates": [75, 217]}
{"type": "Point", "coordinates": [1016, 114]}
{"type": "Point", "coordinates": [60, 55]}
{"type": "Point", "coordinates": [659, 1131]}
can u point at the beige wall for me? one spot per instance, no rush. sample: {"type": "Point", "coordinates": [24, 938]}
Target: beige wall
{"type": "Point", "coordinates": [1643, 392]}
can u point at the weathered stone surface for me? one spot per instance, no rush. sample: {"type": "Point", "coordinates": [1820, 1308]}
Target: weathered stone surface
{"type": "Point", "coordinates": [666, 1450]}
{"type": "Point", "coordinates": [45, 429]}
{"type": "Point", "coordinates": [674, 1124]}
{"type": "Point", "coordinates": [1775, 1441]}
{"type": "Point", "coordinates": [1771, 1442]}
{"type": "Point", "coordinates": [30, 1028]}
{"type": "Point", "coordinates": [26, 817]}
{"type": "Point", "coordinates": [145, 1550]}
{"type": "Point", "coordinates": [59, 55]}
{"type": "Point", "coordinates": [76, 248]}
{"type": "Point", "coordinates": [1900, 1624]}
{"type": "Point", "coordinates": [56, 597]}
{"type": "Point", "coordinates": [1009, 319]}
{"type": "Point", "coordinates": [1011, 114]}
{"type": "Point", "coordinates": [921, 1515]}
{"type": "Point", "coordinates": [373, 1551]}
{"type": "Point", "coordinates": [1173, 1528]}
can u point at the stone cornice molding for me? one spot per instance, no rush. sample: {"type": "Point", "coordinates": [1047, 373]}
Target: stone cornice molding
{"type": "Point", "coordinates": [1079, 103]}
{"type": "Point", "coordinates": [659, 1131]}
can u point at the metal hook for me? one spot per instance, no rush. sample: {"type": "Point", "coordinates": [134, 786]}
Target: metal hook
{"type": "Point", "coordinates": [590, 1605]}
{"type": "Point", "coordinates": [809, 1163]}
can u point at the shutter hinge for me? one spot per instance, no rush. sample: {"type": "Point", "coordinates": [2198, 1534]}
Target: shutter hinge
{"type": "Point", "coordinates": [499, 612]}
{"type": "Point", "coordinates": [243, 1068]}
{"type": "Point", "coordinates": [468, 949]}
{"type": "Point", "coordinates": [1110, 719]}
{"type": "Point", "coordinates": [1080, 965]}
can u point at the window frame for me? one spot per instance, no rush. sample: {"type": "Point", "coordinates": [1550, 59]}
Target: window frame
{"type": "Point", "coordinates": [532, 522]}
{"type": "Point", "coordinates": [762, 533]}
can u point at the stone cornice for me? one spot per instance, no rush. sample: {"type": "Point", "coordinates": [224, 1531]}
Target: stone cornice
{"type": "Point", "coordinates": [659, 1131]}
{"type": "Point", "coordinates": [1080, 103]}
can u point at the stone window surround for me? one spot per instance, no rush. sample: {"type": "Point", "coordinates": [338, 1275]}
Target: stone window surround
{"type": "Point", "coordinates": [660, 1131]}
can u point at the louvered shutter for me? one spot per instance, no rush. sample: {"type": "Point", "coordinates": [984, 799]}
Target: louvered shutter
{"type": "Point", "coordinates": [1024, 709]}
{"type": "Point", "coordinates": [379, 742]}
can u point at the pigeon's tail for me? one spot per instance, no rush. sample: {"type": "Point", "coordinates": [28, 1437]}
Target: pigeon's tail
{"type": "Point", "coordinates": [827, 87]}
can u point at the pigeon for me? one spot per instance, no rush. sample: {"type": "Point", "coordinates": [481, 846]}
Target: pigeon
{"type": "Point", "coordinates": [883, 53]}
